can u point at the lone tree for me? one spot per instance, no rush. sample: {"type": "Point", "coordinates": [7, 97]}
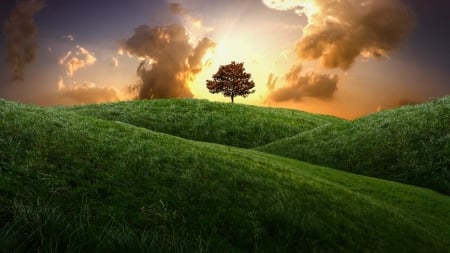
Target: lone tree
{"type": "Point", "coordinates": [232, 81]}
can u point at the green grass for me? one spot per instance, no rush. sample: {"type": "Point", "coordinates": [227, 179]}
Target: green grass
{"type": "Point", "coordinates": [229, 124]}
{"type": "Point", "coordinates": [410, 144]}
{"type": "Point", "coordinates": [71, 183]}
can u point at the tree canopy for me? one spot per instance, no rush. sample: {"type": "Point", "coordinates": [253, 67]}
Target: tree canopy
{"type": "Point", "coordinates": [232, 81]}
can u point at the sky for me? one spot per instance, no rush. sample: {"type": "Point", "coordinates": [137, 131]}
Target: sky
{"type": "Point", "coordinates": [347, 58]}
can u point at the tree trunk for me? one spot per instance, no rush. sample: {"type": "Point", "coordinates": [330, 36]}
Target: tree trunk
{"type": "Point", "coordinates": [232, 99]}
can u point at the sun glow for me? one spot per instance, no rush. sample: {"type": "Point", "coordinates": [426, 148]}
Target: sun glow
{"type": "Point", "coordinates": [233, 48]}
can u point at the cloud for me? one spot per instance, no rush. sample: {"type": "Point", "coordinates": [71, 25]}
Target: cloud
{"type": "Point", "coordinates": [340, 31]}
{"type": "Point", "coordinates": [115, 62]}
{"type": "Point", "coordinates": [271, 81]}
{"type": "Point", "coordinates": [85, 93]}
{"type": "Point", "coordinates": [195, 60]}
{"type": "Point", "coordinates": [314, 85]}
{"type": "Point", "coordinates": [179, 10]}
{"type": "Point", "coordinates": [75, 61]}
{"type": "Point", "coordinates": [69, 37]}
{"type": "Point", "coordinates": [20, 32]}
{"type": "Point", "coordinates": [173, 61]}
{"type": "Point", "coordinates": [61, 85]}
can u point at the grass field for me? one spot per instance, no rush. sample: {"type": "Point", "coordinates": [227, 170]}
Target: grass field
{"type": "Point", "coordinates": [75, 183]}
{"type": "Point", "coordinates": [229, 124]}
{"type": "Point", "coordinates": [410, 144]}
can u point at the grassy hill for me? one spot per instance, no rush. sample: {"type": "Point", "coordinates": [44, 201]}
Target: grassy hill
{"type": "Point", "coordinates": [229, 124]}
{"type": "Point", "coordinates": [71, 183]}
{"type": "Point", "coordinates": [410, 144]}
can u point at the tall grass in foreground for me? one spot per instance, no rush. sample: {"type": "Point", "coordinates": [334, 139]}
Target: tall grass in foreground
{"type": "Point", "coordinates": [70, 183]}
{"type": "Point", "coordinates": [41, 228]}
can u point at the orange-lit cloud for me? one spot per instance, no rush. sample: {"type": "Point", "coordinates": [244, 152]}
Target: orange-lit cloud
{"type": "Point", "coordinates": [173, 61]}
{"type": "Point", "coordinates": [310, 84]}
{"type": "Point", "coordinates": [20, 32]}
{"type": "Point", "coordinates": [85, 93]}
{"type": "Point", "coordinates": [340, 31]}
{"type": "Point", "coordinates": [61, 85]}
{"type": "Point", "coordinates": [75, 61]}
{"type": "Point", "coordinates": [195, 60]}
{"type": "Point", "coordinates": [271, 81]}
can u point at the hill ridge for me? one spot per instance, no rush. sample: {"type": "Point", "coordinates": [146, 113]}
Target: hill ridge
{"type": "Point", "coordinates": [410, 144]}
{"type": "Point", "coordinates": [237, 125]}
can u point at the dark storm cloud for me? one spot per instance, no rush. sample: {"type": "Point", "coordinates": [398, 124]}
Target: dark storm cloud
{"type": "Point", "coordinates": [173, 60]}
{"type": "Point", "coordinates": [299, 86]}
{"type": "Point", "coordinates": [20, 32]}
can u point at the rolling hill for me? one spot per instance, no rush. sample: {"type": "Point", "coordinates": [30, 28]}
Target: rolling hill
{"type": "Point", "coordinates": [229, 124]}
{"type": "Point", "coordinates": [74, 183]}
{"type": "Point", "coordinates": [410, 144]}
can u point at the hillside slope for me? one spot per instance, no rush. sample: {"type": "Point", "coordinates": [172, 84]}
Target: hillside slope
{"type": "Point", "coordinates": [224, 123]}
{"type": "Point", "coordinates": [410, 144]}
{"type": "Point", "coordinates": [70, 183]}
